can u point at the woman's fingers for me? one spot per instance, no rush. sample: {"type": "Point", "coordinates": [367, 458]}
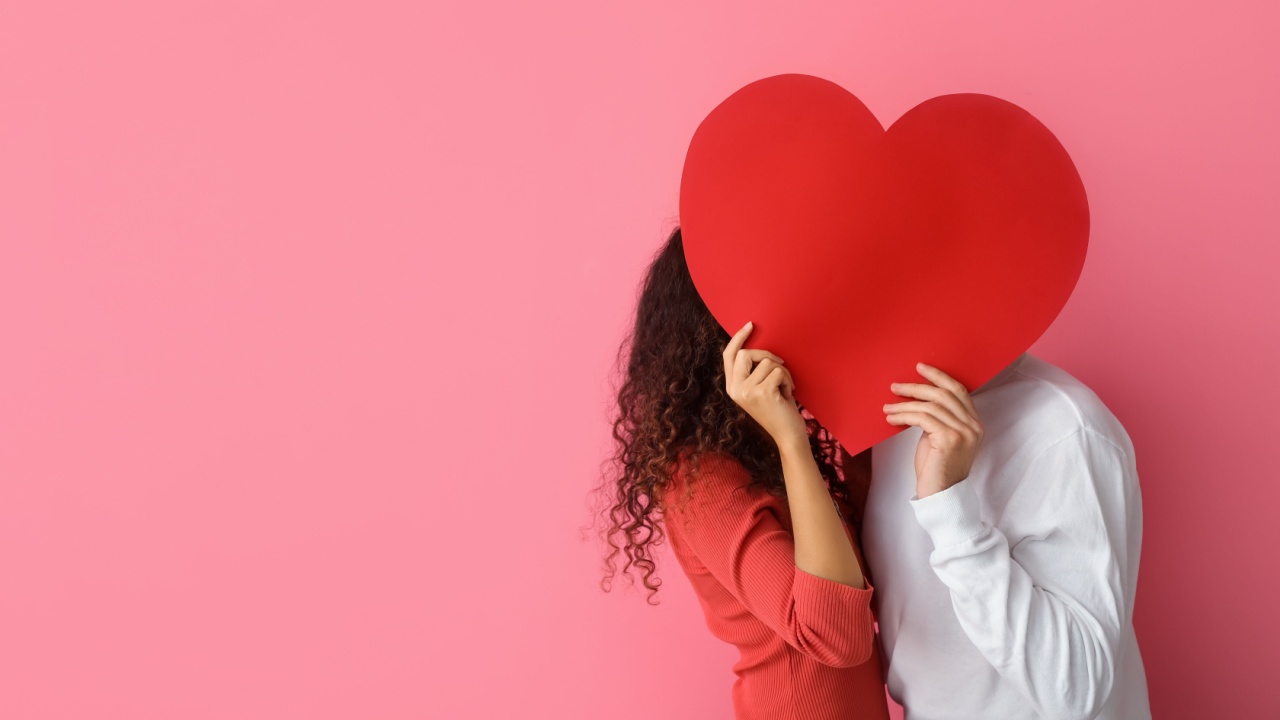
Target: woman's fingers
{"type": "Point", "coordinates": [757, 355]}
{"type": "Point", "coordinates": [780, 377]}
{"type": "Point", "coordinates": [738, 360]}
{"type": "Point", "coordinates": [742, 370]}
{"type": "Point", "coordinates": [778, 381]}
{"type": "Point", "coordinates": [763, 368]}
{"type": "Point", "coordinates": [946, 382]}
{"type": "Point", "coordinates": [730, 353]}
{"type": "Point", "coordinates": [765, 362]}
{"type": "Point", "coordinates": [789, 385]}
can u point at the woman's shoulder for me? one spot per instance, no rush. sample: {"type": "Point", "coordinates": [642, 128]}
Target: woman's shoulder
{"type": "Point", "coordinates": [714, 466]}
{"type": "Point", "coordinates": [720, 481]}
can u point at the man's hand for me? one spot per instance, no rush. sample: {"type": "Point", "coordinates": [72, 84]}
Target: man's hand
{"type": "Point", "coordinates": [952, 431]}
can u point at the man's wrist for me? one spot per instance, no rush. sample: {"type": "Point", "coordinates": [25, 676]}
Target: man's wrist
{"type": "Point", "coordinates": [926, 489]}
{"type": "Point", "coordinates": [950, 516]}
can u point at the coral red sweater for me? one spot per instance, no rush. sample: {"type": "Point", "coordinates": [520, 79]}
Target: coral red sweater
{"type": "Point", "coordinates": [807, 645]}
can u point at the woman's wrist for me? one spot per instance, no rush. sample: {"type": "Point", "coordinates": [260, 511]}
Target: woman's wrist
{"type": "Point", "coordinates": [797, 445]}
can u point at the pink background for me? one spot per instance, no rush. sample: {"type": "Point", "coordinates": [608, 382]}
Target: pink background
{"type": "Point", "coordinates": [307, 311]}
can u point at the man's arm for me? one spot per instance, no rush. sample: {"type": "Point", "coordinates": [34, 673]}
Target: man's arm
{"type": "Point", "coordinates": [1047, 612]}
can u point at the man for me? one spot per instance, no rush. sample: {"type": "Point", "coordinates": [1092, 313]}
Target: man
{"type": "Point", "coordinates": [1002, 533]}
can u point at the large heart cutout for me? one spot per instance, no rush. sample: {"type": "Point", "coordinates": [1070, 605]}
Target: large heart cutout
{"type": "Point", "coordinates": [953, 238]}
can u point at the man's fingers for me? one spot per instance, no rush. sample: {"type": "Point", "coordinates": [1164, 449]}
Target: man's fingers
{"type": "Point", "coordinates": [926, 422]}
{"type": "Point", "coordinates": [945, 381]}
{"type": "Point", "coordinates": [939, 412]}
{"type": "Point", "coordinates": [938, 395]}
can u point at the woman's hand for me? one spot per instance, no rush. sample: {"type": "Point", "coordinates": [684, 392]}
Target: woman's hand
{"type": "Point", "coordinates": [766, 392]}
{"type": "Point", "coordinates": [952, 431]}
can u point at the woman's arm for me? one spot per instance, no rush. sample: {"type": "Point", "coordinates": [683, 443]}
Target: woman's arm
{"type": "Point", "coordinates": [735, 533]}
{"type": "Point", "coordinates": [822, 548]}
{"type": "Point", "coordinates": [805, 584]}
{"type": "Point", "coordinates": [766, 394]}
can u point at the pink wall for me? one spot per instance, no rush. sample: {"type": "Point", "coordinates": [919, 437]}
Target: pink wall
{"type": "Point", "coordinates": [307, 310]}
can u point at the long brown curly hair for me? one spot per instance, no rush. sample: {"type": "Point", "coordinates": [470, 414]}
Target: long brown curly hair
{"type": "Point", "coordinates": [672, 403]}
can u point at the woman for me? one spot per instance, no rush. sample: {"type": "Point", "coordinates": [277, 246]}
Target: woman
{"type": "Point", "coordinates": [715, 452]}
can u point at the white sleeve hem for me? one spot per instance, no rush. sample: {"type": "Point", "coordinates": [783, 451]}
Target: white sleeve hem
{"type": "Point", "coordinates": [951, 516]}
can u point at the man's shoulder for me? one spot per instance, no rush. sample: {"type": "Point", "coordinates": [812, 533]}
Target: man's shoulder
{"type": "Point", "coordinates": [1041, 404]}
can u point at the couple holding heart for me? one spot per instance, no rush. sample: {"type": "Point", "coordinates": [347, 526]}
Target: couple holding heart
{"type": "Point", "coordinates": [850, 514]}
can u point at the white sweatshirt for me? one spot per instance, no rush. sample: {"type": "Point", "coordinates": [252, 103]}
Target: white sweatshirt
{"type": "Point", "coordinates": [1010, 594]}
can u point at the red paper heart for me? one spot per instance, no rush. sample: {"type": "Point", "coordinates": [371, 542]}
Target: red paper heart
{"type": "Point", "coordinates": [954, 238]}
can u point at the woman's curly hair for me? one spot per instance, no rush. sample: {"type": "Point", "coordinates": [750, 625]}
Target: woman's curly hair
{"type": "Point", "coordinates": [672, 406]}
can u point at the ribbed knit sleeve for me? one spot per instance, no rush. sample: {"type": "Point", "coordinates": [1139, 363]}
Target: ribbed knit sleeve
{"type": "Point", "coordinates": [736, 534]}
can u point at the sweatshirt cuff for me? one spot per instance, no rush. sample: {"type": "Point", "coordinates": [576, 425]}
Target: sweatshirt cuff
{"type": "Point", "coordinates": [951, 516]}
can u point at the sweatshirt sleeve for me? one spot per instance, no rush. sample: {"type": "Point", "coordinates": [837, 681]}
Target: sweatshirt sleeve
{"type": "Point", "coordinates": [1048, 610]}
{"type": "Point", "coordinates": [736, 534]}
